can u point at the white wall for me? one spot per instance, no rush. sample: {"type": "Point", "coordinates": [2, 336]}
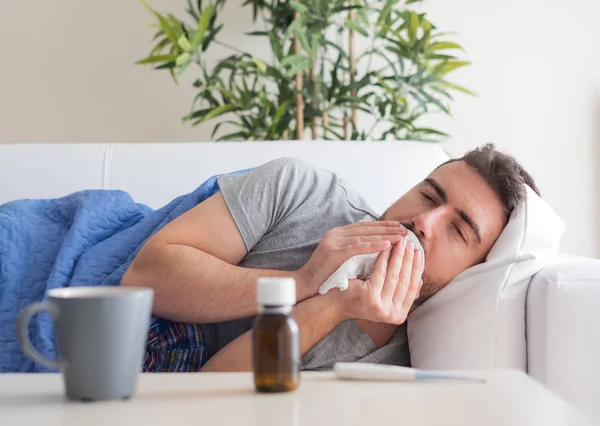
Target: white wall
{"type": "Point", "coordinates": [536, 69]}
{"type": "Point", "coordinates": [68, 72]}
{"type": "Point", "coordinates": [67, 75]}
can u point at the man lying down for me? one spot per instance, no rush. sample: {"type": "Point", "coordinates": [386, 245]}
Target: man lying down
{"type": "Point", "coordinates": [203, 252]}
{"type": "Point", "coordinates": [286, 218]}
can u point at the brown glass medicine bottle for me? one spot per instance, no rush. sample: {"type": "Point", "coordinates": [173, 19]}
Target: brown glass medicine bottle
{"type": "Point", "coordinates": [275, 337]}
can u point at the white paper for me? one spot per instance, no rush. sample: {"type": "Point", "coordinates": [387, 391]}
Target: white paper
{"type": "Point", "coordinates": [358, 266]}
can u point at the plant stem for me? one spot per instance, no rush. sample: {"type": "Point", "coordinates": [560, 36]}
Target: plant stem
{"type": "Point", "coordinates": [325, 116]}
{"type": "Point", "coordinates": [264, 18]}
{"type": "Point", "coordinates": [313, 120]}
{"type": "Point", "coordinates": [299, 102]}
{"type": "Point", "coordinates": [372, 128]}
{"type": "Point", "coordinates": [325, 124]}
{"type": "Point", "coordinates": [220, 43]}
{"type": "Point", "coordinates": [371, 50]}
{"type": "Point", "coordinates": [352, 60]}
{"type": "Point", "coordinates": [345, 124]}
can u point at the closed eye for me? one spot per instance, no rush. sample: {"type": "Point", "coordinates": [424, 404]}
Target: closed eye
{"type": "Point", "coordinates": [460, 234]}
{"type": "Point", "coordinates": [429, 198]}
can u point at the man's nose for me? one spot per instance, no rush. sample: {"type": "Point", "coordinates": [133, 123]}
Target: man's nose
{"type": "Point", "coordinates": [426, 223]}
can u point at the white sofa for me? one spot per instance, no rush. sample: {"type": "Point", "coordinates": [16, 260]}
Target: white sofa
{"type": "Point", "coordinates": [562, 330]}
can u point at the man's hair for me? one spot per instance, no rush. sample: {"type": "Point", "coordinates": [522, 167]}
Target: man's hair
{"type": "Point", "coordinates": [502, 172]}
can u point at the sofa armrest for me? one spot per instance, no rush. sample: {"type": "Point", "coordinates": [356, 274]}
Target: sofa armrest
{"type": "Point", "coordinates": [563, 330]}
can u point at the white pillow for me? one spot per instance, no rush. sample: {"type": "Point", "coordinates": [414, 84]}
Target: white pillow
{"type": "Point", "coordinates": [478, 320]}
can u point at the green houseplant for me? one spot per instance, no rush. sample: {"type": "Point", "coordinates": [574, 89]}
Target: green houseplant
{"type": "Point", "coordinates": [342, 69]}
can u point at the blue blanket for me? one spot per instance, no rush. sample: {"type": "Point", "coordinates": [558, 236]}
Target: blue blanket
{"type": "Point", "coordinates": [88, 238]}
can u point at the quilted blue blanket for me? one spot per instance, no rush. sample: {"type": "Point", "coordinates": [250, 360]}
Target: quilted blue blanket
{"type": "Point", "coordinates": [88, 238]}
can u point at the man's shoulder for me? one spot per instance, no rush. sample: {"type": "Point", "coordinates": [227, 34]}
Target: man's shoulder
{"type": "Point", "coordinates": [323, 183]}
{"type": "Point", "coordinates": [309, 185]}
{"type": "Point", "coordinates": [295, 166]}
{"type": "Point", "coordinates": [294, 175]}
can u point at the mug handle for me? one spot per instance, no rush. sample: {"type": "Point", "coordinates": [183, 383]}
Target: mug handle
{"type": "Point", "coordinates": [23, 324]}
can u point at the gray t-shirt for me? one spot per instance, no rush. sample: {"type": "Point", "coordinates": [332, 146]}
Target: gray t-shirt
{"type": "Point", "coordinates": [282, 209]}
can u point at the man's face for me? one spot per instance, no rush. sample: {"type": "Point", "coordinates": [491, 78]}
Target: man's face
{"type": "Point", "coordinates": [457, 218]}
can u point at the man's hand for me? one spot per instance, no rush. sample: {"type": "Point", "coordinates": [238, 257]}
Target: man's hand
{"type": "Point", "coordinates": [389, 293]}
{"type": "Point", "coordinates": [339, 245]}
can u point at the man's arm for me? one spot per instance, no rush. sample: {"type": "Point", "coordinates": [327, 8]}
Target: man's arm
{"type": "Point", "coordinates": [190, 264]}
{"type": "Point", "coordinates": [316, 317]}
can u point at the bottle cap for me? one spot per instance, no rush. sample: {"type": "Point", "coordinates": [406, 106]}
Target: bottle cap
{"type": "Point", "coordinates": [271, 291]}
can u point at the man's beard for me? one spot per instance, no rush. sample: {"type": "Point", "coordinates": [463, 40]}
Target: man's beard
{"type": "Point", "coordinates": [430, 287]}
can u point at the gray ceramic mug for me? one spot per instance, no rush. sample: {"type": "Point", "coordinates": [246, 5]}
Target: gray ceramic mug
{"type": "Point", "coordinates": [101, 335]}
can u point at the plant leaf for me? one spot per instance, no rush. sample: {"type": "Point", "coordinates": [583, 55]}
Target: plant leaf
{"type": "Point", "coordinates": [257, 33]}
{"type": "Point", "coordinates": [160, 46]}
{"type": "Point", "coordinates": [399, 40]}
{"type": "Point", "coordinates": [164, 25]}
{"type": "Point", "coordinates": [429, 131]}
{"type": "Point", "coordinates": [339, 9]}
{"type": "Point", "coordinates": [276, 46]}
{"type": "Point", "coordinates": [280, 111]}
{"type": "Point", "coordinates": [301, 67]}
{"type": "Point", "coordinates": [165, 66]}
{"type": "Point", "coordinates": [443, 45]}
{"type": "Point", "coordinates": [157, 58]}
{"type": "Point", "coordinates": [147, 6]}
{"type": "Point", "coordinates": [211, 36]}
{"type": "Point", "coordinates": [298, 7]}
{"type": "Point", "coordinates": [439, 57]}
{"type": "Point", "coordinates": [362, 14]}
{"type": "Point", "coordinates": [426, 25]}
{"type": "Point", "coordinates": [184, 43]}
{"type": "Point", "coordinates": [182, 59]}
{"type": "Point", "coordinates": [243, 135]}
{"type": "Point", "coordinates": [197, 114]}
{"type": "Point", "coordinates": [293, 59]}
{"type": "Point", "coordinates": [444, 68]}
{"type": "Point", "coordinates": [433, 100]}
{"type": "Point", "coordinates": [212, 135]}
{"type": "Point", "coordinates": [283, 124]}
{"type": "Point", "coordinates": [292, 27]}
{"type": "Point", "coordinates": [223, 109]}
{"type": "Point", "coordinates": [275, 73]}
{"type": "Point", "coordinates": [176, 25]}
{"type": "Point", "coordinates": [442, 92]}
{"type": "Point", "coordinates": [302, 37]}
{"type": "Point", "coordinates": [203, 25]}
{"type": "Point", "coordinates": [151, 25]}
{"type": "Point", "coordinates": [262, 67]}
{"type": "Point", "coordinates": [453, 86]}
{"type": "Point", "coordinates": [334, 132]}
{"type": "Point", "coordinates": [354, 25]}
{"type": "Point", "coordinates": [400, 52]}
{"type": "Point", "coordinates": [413, 26]}
{"type": "Point", "coordinates": [192, 10]}
{"type": "Point", "coordinates": [385, 14]}
{"type": "Point", "coordinates": [351, 99]}
{"type": "Point", "coordinates": [339, 49]}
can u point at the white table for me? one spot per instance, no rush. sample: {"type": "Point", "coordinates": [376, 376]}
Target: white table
{"type": "Point", "coordinates": [211, 399]}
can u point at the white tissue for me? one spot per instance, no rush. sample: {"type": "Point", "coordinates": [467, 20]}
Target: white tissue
{"type": "Point", "coordinates": [359, 266]}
